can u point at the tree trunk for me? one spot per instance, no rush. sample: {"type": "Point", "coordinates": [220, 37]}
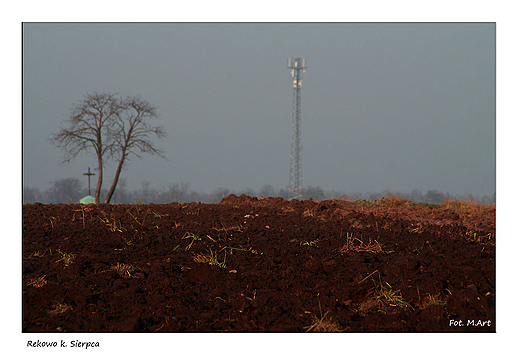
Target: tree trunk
{"type": "Point", "coordinates": [116, 178]}
{"type": "Point", "coordinates": [100, 179]}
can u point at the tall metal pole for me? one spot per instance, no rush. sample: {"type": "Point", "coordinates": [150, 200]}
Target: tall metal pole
{"type": "Point", "coordinates": [298, 66]}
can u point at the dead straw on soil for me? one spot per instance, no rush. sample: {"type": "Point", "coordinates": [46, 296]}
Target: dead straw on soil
{"type": "Point", "coordinates": [210, 259]}
{"type": "Point", "coordinates": [357, 245]}
{"type": "Point", "coordinates": [387, 297]}
{"type": "Point", "coordinates": [37, 281]}
{"type": "Point", "coordinates": [124, 270]}
{"type": "Point", "coordinates": [67, 258]}
{"type": "Point", "coordinates": [323, 324]}
{"type": "Point", "coordinates": [59, 308]}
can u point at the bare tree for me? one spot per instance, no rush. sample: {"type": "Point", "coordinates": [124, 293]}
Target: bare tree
{"type": "Point", "coordinates": [89, 127]}
{"type": "Point", "coordinates": [133, 134]}
{"type": "Point", "coordinates": [114, 128]}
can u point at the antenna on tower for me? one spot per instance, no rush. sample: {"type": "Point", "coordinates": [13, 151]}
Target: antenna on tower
{"type": "Point", "coordinates": [297, 66]}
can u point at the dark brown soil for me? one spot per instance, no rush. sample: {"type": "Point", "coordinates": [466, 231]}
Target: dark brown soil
{"type": "Point", "coordinates": [261, 265]}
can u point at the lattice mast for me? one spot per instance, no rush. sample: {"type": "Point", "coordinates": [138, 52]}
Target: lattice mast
{"type": "Point", "coordinates": [297, 66]}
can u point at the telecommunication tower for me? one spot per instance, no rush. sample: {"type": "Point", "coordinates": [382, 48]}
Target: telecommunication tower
{"type": "Point", "coordinates": [297, 66]}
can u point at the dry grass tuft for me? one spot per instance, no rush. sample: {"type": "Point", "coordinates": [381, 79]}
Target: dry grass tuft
{"type": "Point", "coordinates": [210, 259]}
{"type": "Point", "coordinates": [124, 270]}
{"type": "Point", "coordinates": [396, 201]}
{"type": "Point", "coordinates": [432, 300]}
{"type": "Point", "coordinates": [387, 297]}
{"type": "Point", "coordinates": [37, 281]}
{"type": "Point", "coordinates": [323, 324]}
{"type": "Point", "coordinates": [358, 245]}
{"type": "Point", "coordinates": [308, 213]}
{"type": "Point", "coordinates": [59, 308]}
{"type": "Point", "coordinates": [470, 207]}
{"type": "Point", "coordinates": [67, 258]}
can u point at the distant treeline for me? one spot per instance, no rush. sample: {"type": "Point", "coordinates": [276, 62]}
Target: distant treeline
{"type": "Point", "coordinates": [70, 190]}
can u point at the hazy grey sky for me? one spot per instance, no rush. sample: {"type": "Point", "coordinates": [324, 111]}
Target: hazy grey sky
{"type": "Point", "coordinates": [393, 106]}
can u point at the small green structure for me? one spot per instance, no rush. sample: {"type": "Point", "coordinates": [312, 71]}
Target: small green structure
{"type": "Point", "coordinates": [87, 199]}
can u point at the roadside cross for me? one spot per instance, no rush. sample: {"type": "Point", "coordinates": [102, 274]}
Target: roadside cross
{"type": "Point", "coordinates": [89, 174]}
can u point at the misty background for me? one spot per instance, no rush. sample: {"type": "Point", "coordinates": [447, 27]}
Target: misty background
{"type": "Point", "coordinates": [401, 107]}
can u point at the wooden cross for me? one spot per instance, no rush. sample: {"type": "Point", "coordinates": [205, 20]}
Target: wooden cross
{"type": "Point", "coordinates": [89, 174]}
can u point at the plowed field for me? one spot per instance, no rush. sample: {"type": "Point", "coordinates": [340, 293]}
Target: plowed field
{"type": "Point", "coordinates": [259, 265]}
